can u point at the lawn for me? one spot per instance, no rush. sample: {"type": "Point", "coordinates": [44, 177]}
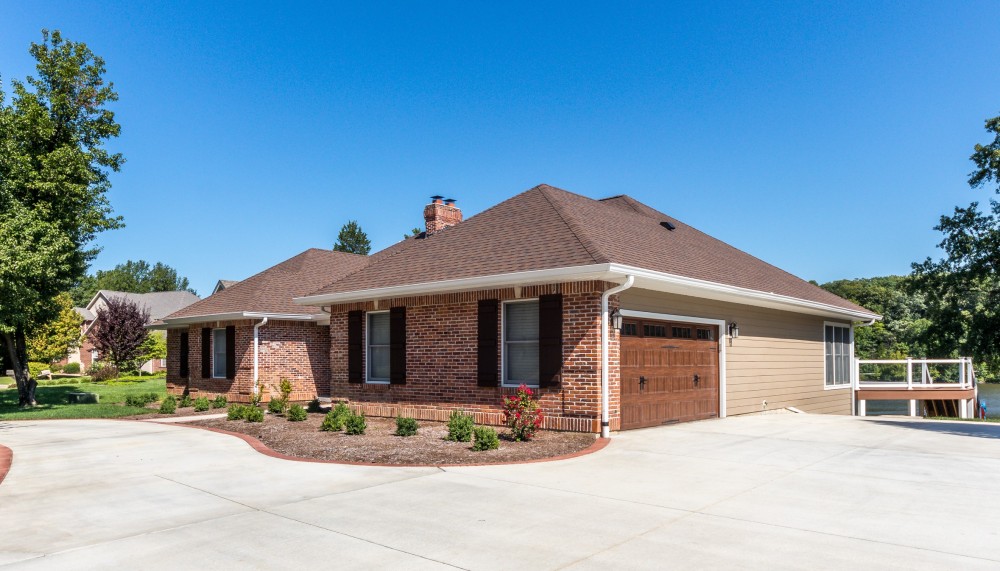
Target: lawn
{"type": "Point", "coordinates": [53, 402]}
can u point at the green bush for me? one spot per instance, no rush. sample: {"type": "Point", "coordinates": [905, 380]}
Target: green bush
{"type": "Point", "coordinates": [186, 401]}
{"type": "Point", "coordinates": [57, 368]}
{"type": "Point", "coordinates": [355, 424]}
{"type": "Point", "coordinates": [72, 368]}
{"type": "Point", "coordinates": [460, 426]}
{"type": "Point", "coordinates": [296, 413]}
{"type": "Point", "coordinates": [100, 373]}
{"type": "Point", "coordinates": [285, 387]}
{"type": "Point", "coordinates": [335, 419]}
{"type": "Point", "coordinates": [406, 426]}
{"type": "Point", "coordinates": [141, 400]}
{"type": "Point", "coordinates": [276, 406]}
{"type": "Point", "coordinates": [35, 369]}
{"type": "Point", "coordinates": [237, 412]}
{"type": "Point", "coordinates": [201, 404]}
{"type": "Point", "coordinates": [169, 405]}
{"type": "Point", "coordinates": [485, 438]}
{"type": "Point", "coordinates": [219, 401]}
{"type": "Point", "coordinates": [254, 414]}
{"type": "Point", "coordinates": [314, 405]}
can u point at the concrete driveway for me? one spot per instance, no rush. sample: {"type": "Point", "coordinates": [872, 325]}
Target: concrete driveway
{"type": "Point", "coordinates": [769, 492]}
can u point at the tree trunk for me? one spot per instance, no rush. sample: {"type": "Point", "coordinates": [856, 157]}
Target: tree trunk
{"type": "Point", "coordinates": [17, 350]}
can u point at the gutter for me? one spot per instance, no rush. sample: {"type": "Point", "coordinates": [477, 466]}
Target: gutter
{"type": "Point", "coordinates": [605, 397]}
{"type": "Point", "coordinates": [168, 322]}
{"type": "Point", "coordinates": [256, 355]}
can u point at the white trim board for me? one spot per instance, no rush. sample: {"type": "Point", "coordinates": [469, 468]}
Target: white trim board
{"type": "Point", "coordinates": [720, 323]}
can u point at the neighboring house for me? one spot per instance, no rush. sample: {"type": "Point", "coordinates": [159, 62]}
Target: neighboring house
{"type": "Point", "coordinates": [223, 284]}
{"type": "Point", "coordinates": [251, 333]}
{"type": "Point", "coordinates": [159, 304]}
{"type": "Point", "coordinates": [527, 292]}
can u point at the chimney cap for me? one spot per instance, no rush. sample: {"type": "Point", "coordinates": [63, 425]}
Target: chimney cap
{"type": "Point", "coordinates": [449, 201]}
{"type": "Point", "coordinates": [436, 197]}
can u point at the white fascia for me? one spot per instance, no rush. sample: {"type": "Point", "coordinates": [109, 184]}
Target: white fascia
{"type": "Point", "coordinates": [171, 323]}
{"type": "Point", "coordinates": [645, 279]}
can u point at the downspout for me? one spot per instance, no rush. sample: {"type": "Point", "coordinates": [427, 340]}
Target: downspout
{"type": "Point", "coordinates": [256, 355]}
{"type": "Point", "coordinates": [605, 398]}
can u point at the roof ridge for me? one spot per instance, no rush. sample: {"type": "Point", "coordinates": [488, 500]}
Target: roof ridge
{"type": "Point", "coordinates": [574, 228]}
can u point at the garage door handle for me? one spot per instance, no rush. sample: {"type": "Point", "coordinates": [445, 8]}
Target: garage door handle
{"type": "Point", "coordinates": [696, 379]}
{"type": "Point", "coordinates": [642, 383]}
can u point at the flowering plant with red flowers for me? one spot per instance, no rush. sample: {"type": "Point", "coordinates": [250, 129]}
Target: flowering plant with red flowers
{"type": "Point", "coordinates": [522, 414]}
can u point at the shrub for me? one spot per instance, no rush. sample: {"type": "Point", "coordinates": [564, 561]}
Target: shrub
{"type": "Point", "coordinates": [276, 406]}
{"type": "Point", "coordinates": [100, 373]}
{"type": "Point", "coordinates": [35, 369]}
{"type": "Point", "coordinates": [522, 414]}
{"type": "Point", "coordinates": [296, 413]}
{"type": "Point", "coordinates": [237, 412]}
{"type": "Point", "coordinates": [186, 401]}
{"type": "Point", "coordinates": [169, 405]}
{"type": "Point", "coordinates": [219, 401]}
{"type": "Point", "coordinates": [355, 424]}
{"type": "Point", "coordinates": [485, 438]}
{"type": "Point", "coordinates": [406, 426]}
{"type": "Point", "coordinates": [72, 368]}
{"type": "Point", "coordinates": [201, 404]}
{"type": "Point", "coordinates": [460, 426]}
{"type": "Point", "coordinates": [254, 414]}
{"type": "Point", "coordinates": [314, 405]}
{"type": "Point", "coordinates": [335, 419]}
{"type": "Point", "coordinates": [141, 400]}
{"type": "Point", "coordinates": [285, 387]}
{"type": "Point", "coordinates": [57, 368]}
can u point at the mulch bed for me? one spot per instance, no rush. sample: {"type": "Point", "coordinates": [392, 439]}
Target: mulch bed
{"type": "Point", "coordinates": [380, 446]}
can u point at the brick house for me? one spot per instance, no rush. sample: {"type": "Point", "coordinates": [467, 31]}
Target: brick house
{"type": "Point", "coordinates": [620, 315]}
{"type": "Point", "coordinates": [249, 334]}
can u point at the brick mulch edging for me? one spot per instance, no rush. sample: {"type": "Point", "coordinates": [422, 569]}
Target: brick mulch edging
{"type": "Point", "coordinates": [256, 444]}
{"type": "Point", "coordinates": [6, 458]}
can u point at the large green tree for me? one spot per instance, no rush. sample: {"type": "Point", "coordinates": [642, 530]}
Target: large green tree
{"type": "Point", "coordinates": [53, 340]}
{"type": "Point", "coordinates": [962, 289]}
{"type": "Point", "coordinates": [135, 277]}
{"type": "Point", "coordinates": [904, 325]}
{"type": "Point", "coordinates": [54, 176]}
{"type": "Point", "coordinates": [353, 239]}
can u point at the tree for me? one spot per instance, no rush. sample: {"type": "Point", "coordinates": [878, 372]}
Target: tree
{"type": "Point", "coordinates": [119, 333]}
{"type": "Point", "coordinates": [154, 347]}
{"type": "Point", "coordinates": [413, 233]}
{"type": "Point", "coordinates": [352, 239]}
{"type": "Point", "coordinates": [963, 288]}
{"type": "Point", "coordinates": [134, 277]}
{"type": "Point", "coordinates": [54, 340]}
{"type": "Point", "coordinates": [904, 323]}
{"type": "Point", "coordinates": [54, 176]}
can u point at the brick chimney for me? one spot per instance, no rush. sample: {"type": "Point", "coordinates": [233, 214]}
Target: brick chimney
{"type": "Point", "coordinates": [441, 213]}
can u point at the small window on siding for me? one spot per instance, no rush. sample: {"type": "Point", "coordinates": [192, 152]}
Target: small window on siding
{"type": "Point", "coordinates": [378, 347]}
{"type": "Point", "coordinates": [630, 329]}
{"type": "Point", "coordinates": [219, 353]}
{"type": "Point", "coordinates": [520, 343]}
{"type": "Point", "coordinates": [837, 343]}
{"type": "Point", "coordinates": [706, 334]}
{"type": "Point", "coordinates": [680, 332]}
{"type": "Point", "coordinates": [654, 330]}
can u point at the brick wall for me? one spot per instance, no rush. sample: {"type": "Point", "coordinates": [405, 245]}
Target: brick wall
{"type": "Point", "coordinates": [441, 359]}
{"type": "Point", "coordinates": [288, 349]}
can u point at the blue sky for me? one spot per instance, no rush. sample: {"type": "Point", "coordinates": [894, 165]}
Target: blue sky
{"type": "Point", "coordinates": [826, 138]}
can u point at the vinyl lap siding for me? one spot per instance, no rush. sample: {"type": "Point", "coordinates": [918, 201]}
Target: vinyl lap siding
{"type": "Point", "coordinates": [778, 356]}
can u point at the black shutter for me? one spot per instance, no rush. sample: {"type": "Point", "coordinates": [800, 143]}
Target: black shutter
{"type": "Point", "coordinates": [183, 373]}
{"type": "Point", "coordinates": [355, 350]}
{"type": "Point", "coordinates": [206, 352]}
{"type": "Point", "coordinates": [231, 352]}
{"type": "Point", "coordinates": [397, 345]}
{"type": "Point", "coordinates": [550, 358]}
{"type": "Point", "coordinates": [488, 367]}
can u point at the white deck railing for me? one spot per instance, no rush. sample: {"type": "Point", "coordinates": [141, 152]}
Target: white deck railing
{"type": "Point", "coordinates": [920, 374]}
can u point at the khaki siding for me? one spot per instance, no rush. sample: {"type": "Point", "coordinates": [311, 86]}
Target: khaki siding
{"type": "Point", "coordinates": [778, 356]}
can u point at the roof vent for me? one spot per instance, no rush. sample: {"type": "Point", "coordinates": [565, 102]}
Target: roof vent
{"type": "Point", "coordinates": [668, 225]}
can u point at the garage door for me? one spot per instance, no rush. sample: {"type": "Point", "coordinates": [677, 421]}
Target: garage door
{"type": "Point", "coordinates": [669, 372]}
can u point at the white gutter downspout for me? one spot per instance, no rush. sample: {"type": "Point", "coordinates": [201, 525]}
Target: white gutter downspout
{"type": "Point", "coordinates": [605, 398]}
{"type": "Point", "coordinates": [256, 357]}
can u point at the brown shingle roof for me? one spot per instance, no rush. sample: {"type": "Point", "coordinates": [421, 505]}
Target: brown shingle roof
{"type": "Point", "coordinates": [272, 290]}
{"type": "Point", "coordinates": [545, 227]}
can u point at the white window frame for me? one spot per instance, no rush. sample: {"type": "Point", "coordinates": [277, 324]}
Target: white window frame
{"type": "Point", "coordinates": [215, 374]}
{"type": "Point", "coordinates": [504, 382]}
{"type": "Point", "coordinates": [368, 356]}
{"type": "Point", "coordinates": [850, 372]}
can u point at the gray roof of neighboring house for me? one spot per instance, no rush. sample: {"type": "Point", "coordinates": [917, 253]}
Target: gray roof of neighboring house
{"type": "Point", "coordinates": [160, 303]}
{"type": "Point", "coordinates": [224, 284]}
{"type": "Point", "coordinates": [85, 313]}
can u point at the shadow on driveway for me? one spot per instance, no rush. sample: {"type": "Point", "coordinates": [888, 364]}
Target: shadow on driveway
{"type": "Point", "coordinates": [957, 428]}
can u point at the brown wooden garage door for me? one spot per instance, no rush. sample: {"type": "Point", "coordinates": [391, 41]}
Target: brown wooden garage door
{"type": "Point", "coordinates": [669, 372]}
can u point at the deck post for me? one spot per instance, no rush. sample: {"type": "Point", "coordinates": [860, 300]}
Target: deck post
{"type": "Point", "coordinates": [861, 408]}
{"type": "Point", "coordinates": [913, 407]}
{"type": "Point", "coordinates": [909, 373]}
{"type": "Point", "coordinates": [961, 373]}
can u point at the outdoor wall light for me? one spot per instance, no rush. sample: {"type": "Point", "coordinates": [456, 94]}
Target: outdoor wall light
{"type": "Point", "coordinates": [616, 320]}
{"type": "Point", "coordinates": [734, 330]}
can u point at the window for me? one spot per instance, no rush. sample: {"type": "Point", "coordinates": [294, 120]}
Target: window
{"type": "Point", "coordinates": [680, 332]}
{"type": "Point", "coordinates": [838, 355]}
{"type": "Point", "coordinates": [654, 330]}
{"type": "Point", "coordinates": [706, 334]}
{"type": "Point", "coordinates": [378, 347]}
{"type": "Point", "coordinates": [163, 362]}
{"type": "Point", "coordinates": [219, 353]}
{"type": "Point", "coordinates": [520, 343]}
{"type": "Point", "coordinates": [630, 329]}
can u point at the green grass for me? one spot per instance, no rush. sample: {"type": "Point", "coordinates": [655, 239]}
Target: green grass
{"type": "Point", "coordinates": [53, 400]}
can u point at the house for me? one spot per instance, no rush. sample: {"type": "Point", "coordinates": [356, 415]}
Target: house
{"type": "Point", "coordinates": [249, 335]}
{"type": "Point", "coordinates": [159, 304]}
{"type": "Point", "coordinates": [621, 316]}
{"type": "Point", "coordinates": [221, 285]}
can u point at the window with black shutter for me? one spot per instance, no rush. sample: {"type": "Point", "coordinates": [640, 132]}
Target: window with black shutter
{"type": "Point", "coordinates": [487, 345]}
{"type": "Point", "coordinates": [183, 372]}
{"type": "Point", "coordinates": [550, 323]}
{"type": "Point", "coordinates": [520, 343]}
{"type": "Point", "coordinates": [231, 352]}
{"type": "Point", "coordinates": [397, 345]}
{"type": "Point", "coordinates": [206, 352]}
{"type": "Point", "coordinates": [355, 347]}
